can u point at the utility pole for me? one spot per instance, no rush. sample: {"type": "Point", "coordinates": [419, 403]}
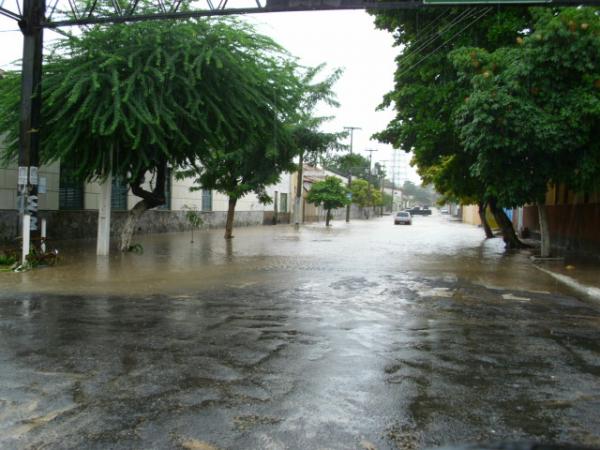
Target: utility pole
{"type": "Point", "coordinates": [30, 114]}
{"type": "Point", "coordinates": [351, 130]}
{"type": "Point", "coordinates": [371, 150]}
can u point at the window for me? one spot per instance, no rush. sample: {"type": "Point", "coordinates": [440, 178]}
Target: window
{"type": "Point", "coordinates": [70, 190]}
{"type": "Point", "coordinates": [206, 200]}
{"type": "Point", "coordinates": [283, 206]}
{"type": "Point", "coordinates": [118, 199]}
{"type": "Point", "coordinates": [167, 205]}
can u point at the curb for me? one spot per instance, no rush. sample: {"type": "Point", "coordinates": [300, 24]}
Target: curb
{"type": "Point", "coordinates": [589, 291]}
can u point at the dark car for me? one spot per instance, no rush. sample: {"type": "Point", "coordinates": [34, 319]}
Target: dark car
{"type": "Point", "coordinates": [418, 211]}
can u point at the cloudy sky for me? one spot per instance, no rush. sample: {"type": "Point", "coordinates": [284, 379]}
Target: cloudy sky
{"type": "Point", "coordinates": [341, 39]}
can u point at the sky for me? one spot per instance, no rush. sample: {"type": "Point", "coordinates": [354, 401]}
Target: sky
{"type": "Point", "coordinates": [345, 39]}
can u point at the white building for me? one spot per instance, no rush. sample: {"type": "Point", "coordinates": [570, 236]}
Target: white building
{"type": "Point", "coordinates": [71, 207]}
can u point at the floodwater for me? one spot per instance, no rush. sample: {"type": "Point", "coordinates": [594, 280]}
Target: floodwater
{"type": "Point", "coordinates": [361, 336]}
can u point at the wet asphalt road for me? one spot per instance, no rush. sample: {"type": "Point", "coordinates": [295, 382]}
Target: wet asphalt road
{"type": "Point", "coordinates": [368, 336]}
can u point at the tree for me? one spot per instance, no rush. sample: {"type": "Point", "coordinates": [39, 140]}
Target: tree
{"type": "Point", "coordinates": [360, 193]}
{"type": "Point", "coordinates": [308, 138]}
{"type": "Point", "coordinates": [255, 157]}
{"type": "Point", "coordinates": [449, 177]}
{"type": "Point", "coordinates": [428, 90]}
{"type": "Point", "coordinates": [530, 124]}
{"type": "Point", "coordinates": [349, 164]}
{"type": "Point", "coordinates": [365, 195]}
{"type": "Point", "coordinates": [329, 193]}
{"type": "Point", "coordinates": [131, 99]}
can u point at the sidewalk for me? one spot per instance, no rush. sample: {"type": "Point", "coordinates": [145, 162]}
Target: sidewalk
{"type": "Point", "coordinates": [581, 276]}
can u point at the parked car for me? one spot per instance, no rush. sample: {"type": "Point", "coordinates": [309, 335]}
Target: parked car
{"type": "Point", "coordinates": [445, 210]}
{"type": "Point", "coordinates": [418, 211]}
{"type": "Point", "coordinates": [403, 218]}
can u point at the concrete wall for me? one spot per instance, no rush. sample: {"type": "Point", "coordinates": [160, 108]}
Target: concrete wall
{"type": "Point", "coordinates": [64, 225]}
{"type": "Point", "coordinates": [470, 214]}
{"type": "Point", "coordinates": [8, 187]}
{"type": "Point", "coordinates": [573, 227]}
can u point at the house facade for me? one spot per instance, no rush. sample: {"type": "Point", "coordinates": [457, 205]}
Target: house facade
{"type": "Point", "coordinates": [71, 207]}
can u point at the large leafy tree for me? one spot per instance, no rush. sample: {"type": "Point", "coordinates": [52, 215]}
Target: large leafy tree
{"type": "Point", "coordinates": [349, 164]}
{"type": "Point", "coordinates": [428, 90]}
{"type": "Point", "coordinates": [255, 157]}
{"type": "Point", "coordinates": [532, 117]}
{"type": "Point", "coordinates": [131, 99]}
{"type": "Point", "coordinates": [330, 194]}
{"type": "Point", "coordinates": [310, 141]}
{"type": "Point", "coordinates": [365, 194]}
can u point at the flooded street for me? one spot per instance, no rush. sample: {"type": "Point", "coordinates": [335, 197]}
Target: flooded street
{"type": "Point", "coordinates": [361, 336]}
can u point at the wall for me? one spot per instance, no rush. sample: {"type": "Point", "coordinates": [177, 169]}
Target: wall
{"type": "Point", "coordinates": [573, 227]}
{"type": "Point", "coordinates": [8, 187]}
{"type": "Point", "coordinates": [63, 225]}
{"type": "Point", "coordinates": [470, 214]}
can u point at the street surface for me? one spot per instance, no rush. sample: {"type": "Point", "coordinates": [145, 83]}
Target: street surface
{"type": "Point", "coordinates": [367, 336]}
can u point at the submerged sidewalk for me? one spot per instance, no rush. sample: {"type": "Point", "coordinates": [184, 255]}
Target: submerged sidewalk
{"type": "Point", "coordinates": [581, 275]}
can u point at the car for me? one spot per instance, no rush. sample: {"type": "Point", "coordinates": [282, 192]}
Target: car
{"type": "Point", "coordinates": [403, 218]}
{"type": "Point", "coordinates": [418, 211]}
{"type": "Point", "coordinates": [445, 210]}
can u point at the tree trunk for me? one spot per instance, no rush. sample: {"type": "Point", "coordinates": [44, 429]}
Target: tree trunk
{"type": "Point", "coordinates": [149, 200]}
{"type": "Point", "coordinates": [327, 217]}
{"type": "Point", "coordinates": [508, 232]}
{"type": "Point", "coordinates": [129, 227]}
{"type": "Point", "coordinates": [486, 226]}
{"type": "Point", "coordinates": [230, 216]}
{"type": "Point", "coordinates": [299, 186]}
{"type": "Point", "coordinates": [544, 230]}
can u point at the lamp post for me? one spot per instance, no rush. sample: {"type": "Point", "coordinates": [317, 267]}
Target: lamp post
{"type": "Point", "coordinates": [351, 130]}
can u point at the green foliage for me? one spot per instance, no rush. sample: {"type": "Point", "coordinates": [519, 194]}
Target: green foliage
{"type": "Point", "coordinates": [136, 248]}
{"type": "Point", "coordinates": [387, 201]}
{"type": "Point", "coordinates": [256, 157]}
{"type": "Point", "coordinates": [8, 259]}
{"type": "Point", "coordinates": [361, 195]}
{"type": "Point", "coordinates": [193, 217]}
{"type": "Point", "coordinates": [349, 164]}
{"type": "Point", "coordinates": [329, 193]}
{"type": "Point", "coordinates": [532, 116]}
{"type": "Point", "coordinates": [120, 98]}
{"type": "Point", "coordinates": [428, 90]}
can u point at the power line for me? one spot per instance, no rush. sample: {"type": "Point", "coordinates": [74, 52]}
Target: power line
{"type": "Point", "coordinates": [444, 43]}
{"type": "Point", "coordinates": [464, 15]}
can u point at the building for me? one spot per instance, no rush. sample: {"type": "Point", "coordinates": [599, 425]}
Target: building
{"type": "Point", "coordinates": [573, 220]}
{"type": "Point", "coordinates": [70, 207]}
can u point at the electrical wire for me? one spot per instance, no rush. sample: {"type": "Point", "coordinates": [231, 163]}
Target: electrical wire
{"type": "Point", "coordinates": [464, 15]}
{"type": "Point", "coordinates": [444, 43]}
{"type": "Point", "coordinates": [430, 25]}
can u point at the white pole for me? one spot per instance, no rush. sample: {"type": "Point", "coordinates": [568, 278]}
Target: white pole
{"type": "Point", "coordinates": [26, 237]}
{"type": "Point", "coordinates": [43, 242]}
{"type": "Point", "coordinates": [103, 241]}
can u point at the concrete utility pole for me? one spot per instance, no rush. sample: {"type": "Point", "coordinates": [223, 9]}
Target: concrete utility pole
{"type": "Point", "coordinates": [30, 115]}
{"type": "Point", "coordinates": [370, 150]}
{"type": "Point", "coordinates": [299, 188]}
{"type": "Point", "coordinates": [351, 130]}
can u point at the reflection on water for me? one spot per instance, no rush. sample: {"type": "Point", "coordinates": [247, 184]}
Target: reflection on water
{"type": "Point", "coordinates": [170, 263]}
{"type": "Point", "coordinates": [317, 338]}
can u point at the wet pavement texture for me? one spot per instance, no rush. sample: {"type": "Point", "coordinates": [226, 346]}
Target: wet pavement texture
{"type": "Point", "coordinates": [361, 336]}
